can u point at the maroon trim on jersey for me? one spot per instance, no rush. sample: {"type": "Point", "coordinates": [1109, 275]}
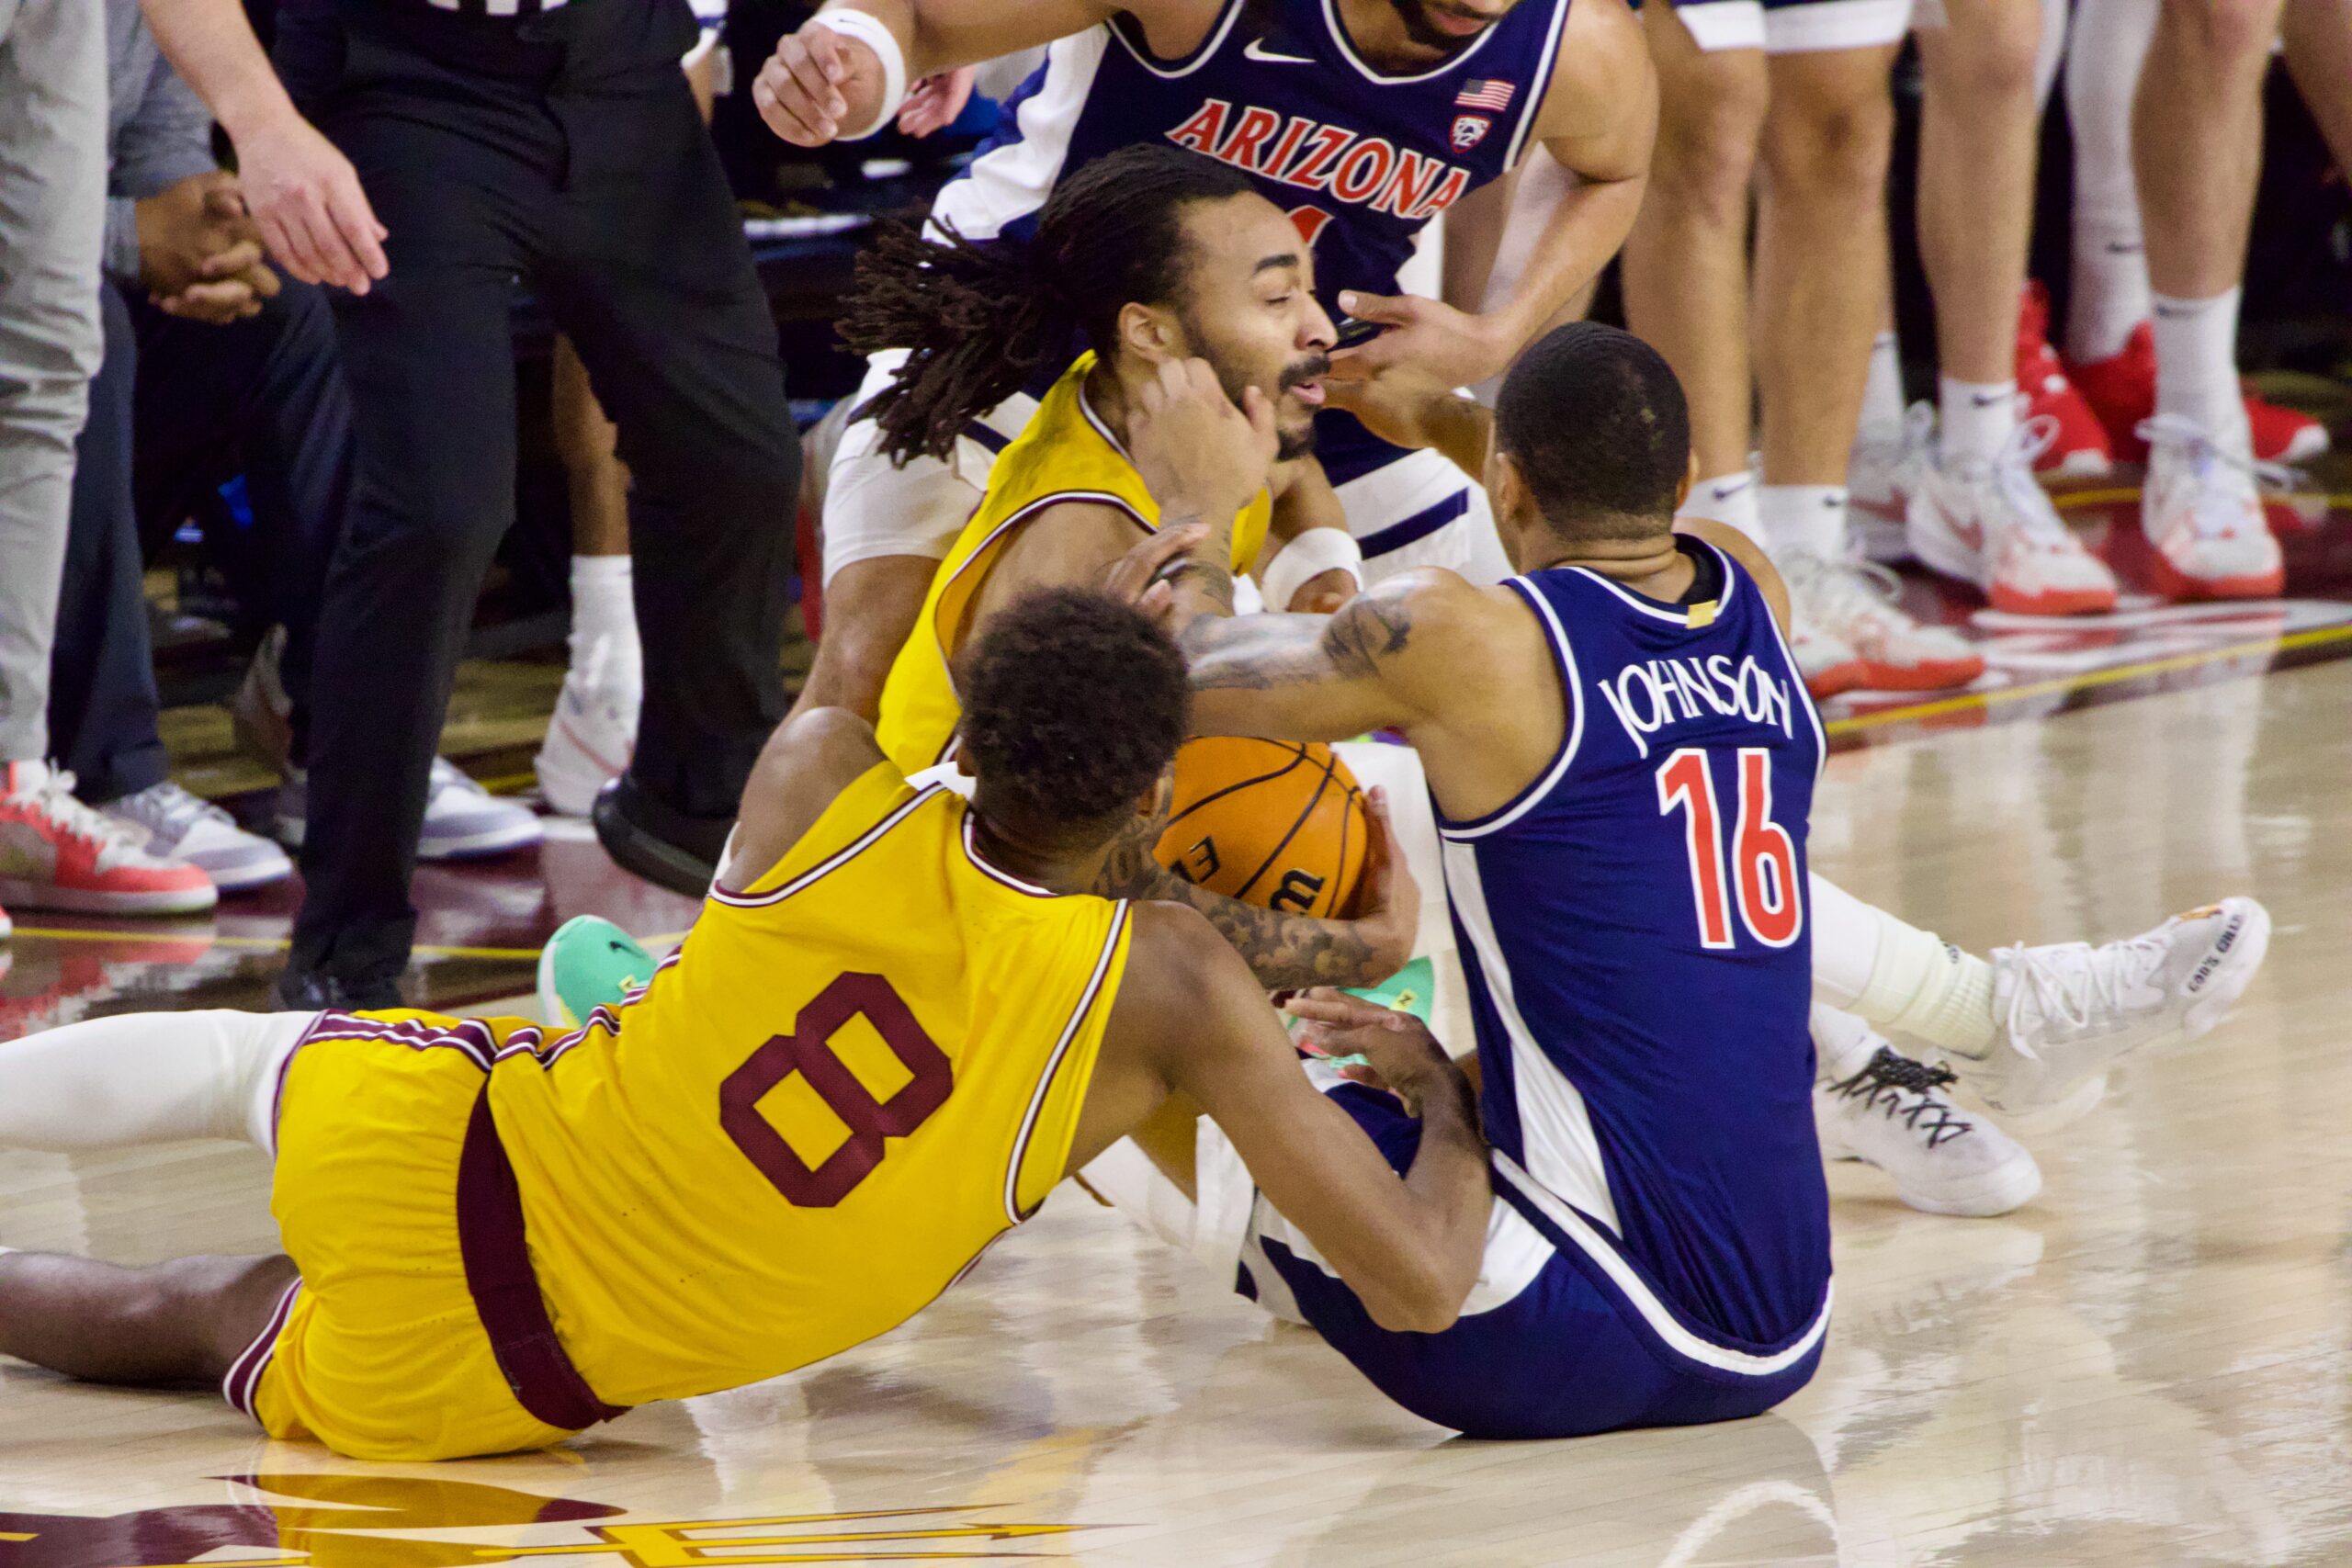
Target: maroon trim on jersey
{"type": "Point", "coordinates": [505, 1290]}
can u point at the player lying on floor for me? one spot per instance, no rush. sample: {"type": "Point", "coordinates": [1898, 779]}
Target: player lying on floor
{"type": "Point", "coordinates": [898, 1022]}
{"type": "Point", "coordinates": [1156, 258]}
{"type": "Point", "coordinates": [1623, 759]}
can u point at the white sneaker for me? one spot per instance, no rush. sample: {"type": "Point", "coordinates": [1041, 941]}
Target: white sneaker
{"type": "Point", "coordinates": [1880, 472]}
{"type": "Point", "coordinates": [2201, 508]}
{"type": "Point", "coordinates": [175, 825]}
{"type": "Point", "coordinates": [1892, 1113]}
{"type": "Point", "coordinates": [1992, 525]}
{"type": "Point", "coordinates": [2070, 1011]}
{"type": "Point", "coordinates": [1853, 603]}
{"type": "Point", "coordinates": [462, 820]}
{"type": "Point", "coordinates": [591, 734]}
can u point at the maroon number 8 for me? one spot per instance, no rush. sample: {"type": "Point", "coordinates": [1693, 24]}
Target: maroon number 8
{"type": "Point", "coordinates": [807, 1051]}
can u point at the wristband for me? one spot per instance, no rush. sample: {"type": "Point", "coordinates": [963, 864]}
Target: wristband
{"type": "Point", "coordinates": [871, 31]}
{"type": "Point", "coordinates": [1313, 553]}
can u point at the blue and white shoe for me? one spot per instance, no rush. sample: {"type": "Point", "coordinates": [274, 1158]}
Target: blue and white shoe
{"type": "Point", "coordinates": [172, 824]}
{"type": "Point", "coordinates": [462, 820]}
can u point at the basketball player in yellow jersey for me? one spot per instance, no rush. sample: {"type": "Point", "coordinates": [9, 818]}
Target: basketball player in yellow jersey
{"type": "Point", "coordinates": [896, 1026]}
{"type": "Point", "coordinates": [1196, 407]}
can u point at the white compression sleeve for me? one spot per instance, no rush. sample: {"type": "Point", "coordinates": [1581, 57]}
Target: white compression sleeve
{"type": "Point", "coordinates": [1897, 977]}
{"type": "Point", "coordinates": [149, 1077]}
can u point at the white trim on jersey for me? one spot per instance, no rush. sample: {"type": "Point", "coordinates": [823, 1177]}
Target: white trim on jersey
{"type": "Point", "coordinates": [1061, 1046]}
{"type": "Point", "coordinates": [1537, 792]}
{"type": "Point", "coordinates": [1542, 86]}
{"type": "Point", "coordinates": [1339, 37]}
{"type": "Point", "coordinates": [1656, 611]}
{"type": "Point", "coordinates": [1662, 1322]}
{"type": "Point", "coordinates": [1200, 56]}
{"type": "Point", "coordinates": [1555, 1130]}
{"type": "Point", "coordinates": [1013, 181]}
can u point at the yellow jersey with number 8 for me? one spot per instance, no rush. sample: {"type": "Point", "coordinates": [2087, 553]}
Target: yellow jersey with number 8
{"type": "Point", "coordinates": [857, 1073]}
{"type": "Point", "coordinates": [1066, 453]}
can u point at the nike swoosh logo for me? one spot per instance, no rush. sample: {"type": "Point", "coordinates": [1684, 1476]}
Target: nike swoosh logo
{"type": "Point", "coordinates": [1256, 49]}
{"type": "Point", "coordinates": [1991, 400]}
{"type": "Point", "coordinates": [1725, 492]}
{"type": "Point", "coordinates": [2118, 248]}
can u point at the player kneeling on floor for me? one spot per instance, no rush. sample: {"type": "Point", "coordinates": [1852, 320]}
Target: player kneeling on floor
{"type": "Point", "coordinates": [897, 1024]}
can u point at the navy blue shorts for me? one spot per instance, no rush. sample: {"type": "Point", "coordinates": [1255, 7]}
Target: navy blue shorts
{"type": "Point", "coordinates": [1563, 1335]}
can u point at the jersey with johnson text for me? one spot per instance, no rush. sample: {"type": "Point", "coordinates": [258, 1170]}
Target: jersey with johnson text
{"type": "Point", "coordinates": [1635, 931]}
{"type": "Point", "coordinates": [1359, 158]}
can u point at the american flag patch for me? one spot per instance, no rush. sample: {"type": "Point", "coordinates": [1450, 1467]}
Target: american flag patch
{"type": "Point", "coordinates": [1485, 93]}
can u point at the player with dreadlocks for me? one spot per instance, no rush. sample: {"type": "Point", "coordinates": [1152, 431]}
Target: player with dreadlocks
{"type": "Point", "coordinates": [1193, 408]}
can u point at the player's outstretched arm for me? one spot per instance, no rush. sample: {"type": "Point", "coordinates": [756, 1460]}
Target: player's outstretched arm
{"type": "Point", "coordinates": [825, 81]}
{"type": "Point", "coordinates": [811, 758]}
{"type": "Point", "coordinates": [1191, 1018]}
{"type": "Point", "coordinates": [1284, 950]}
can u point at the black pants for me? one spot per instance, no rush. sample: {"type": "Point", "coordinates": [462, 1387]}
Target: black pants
{"type": "Point", "coordinates": [177, 408]}
{"type": "Point", "coordinates": [563, 150]}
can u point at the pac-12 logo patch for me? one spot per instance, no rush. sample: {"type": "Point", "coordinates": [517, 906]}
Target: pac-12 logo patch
{"type": "Point", "coordinates": [1469, 129]}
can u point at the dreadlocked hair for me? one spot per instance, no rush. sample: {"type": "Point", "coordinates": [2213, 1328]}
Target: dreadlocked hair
{"type": "Point", "coordinates": [979, 317]}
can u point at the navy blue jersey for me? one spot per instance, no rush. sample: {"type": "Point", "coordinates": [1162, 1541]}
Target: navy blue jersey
{"type": "Point", "coordinates": [1359, 159]}
{"type": "Point", "coordinates": [1634, 930]}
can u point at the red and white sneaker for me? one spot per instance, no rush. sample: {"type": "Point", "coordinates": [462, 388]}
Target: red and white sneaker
{"type": "Point", "coordinates": [2079, 446]}
{"type": "Point", "coordinates": [1992, 525]}
{"type": "Point", "coordinates": [1828, 663]}
{"type": "Point", "coordinates": [2122, 392]}
{"type": "Point", "coordinates": [57, 853]}
{"type": "Point", "coordinates": [7, 927]}
{"type": "Point", "coordinates": [2201, 508]}
{"type": "Point", "coordinates": [1853, 603]}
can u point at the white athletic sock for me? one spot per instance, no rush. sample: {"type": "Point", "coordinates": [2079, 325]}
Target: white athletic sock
{"type": "Point", "coordinates": [1842, 1044]}
{"type": "Point", "coordinates": [2196, 367]}
{"type": "Point", "coordinates": [2108, 295]}
{"type": "Point", "coordinates": [1896, 976]}
{"type": "Point", "coordinates": [1809, 518]}
{"type": "Point", "coordinates": [1976, 417]}
{"type": "Point", "coordinates": [151, 1078]}
{"type": "Point", "coordinates": [604, 613]}
{"type": "Point", "coordinates": [1729, 498]}
{"type": "Point", "coordinates": [1882, 394]}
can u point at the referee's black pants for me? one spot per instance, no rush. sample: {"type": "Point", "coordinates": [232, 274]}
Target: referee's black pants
{"type": "Point", "coordinates": [564, 151]}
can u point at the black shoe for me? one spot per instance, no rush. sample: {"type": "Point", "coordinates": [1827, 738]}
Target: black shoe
{"type": "Point", "coordinates": [667, 848]}
{"type": "Point", "coordinates": [294, 992]}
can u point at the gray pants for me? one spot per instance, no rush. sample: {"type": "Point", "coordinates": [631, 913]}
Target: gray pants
{"type": "Point", "coordinates": [52, 214]}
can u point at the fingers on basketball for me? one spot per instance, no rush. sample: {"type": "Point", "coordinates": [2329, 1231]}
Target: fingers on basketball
{"type": "Point", "coordinates": [1279, 824]}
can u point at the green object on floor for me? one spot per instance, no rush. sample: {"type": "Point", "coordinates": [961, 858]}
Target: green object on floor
{"type": "Point", "coordinates": [588, 963]}
{"type": "Point", "coordinates": [1407, 990]}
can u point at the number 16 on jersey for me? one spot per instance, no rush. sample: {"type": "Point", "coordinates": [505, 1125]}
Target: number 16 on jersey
{"type": "Point", "coordinates": [1760, 861]}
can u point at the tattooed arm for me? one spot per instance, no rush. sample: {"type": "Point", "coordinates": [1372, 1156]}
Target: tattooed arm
{"type": "Point", "coordinates": [1287, 950]}
{"type": "Point", "coordinates": [1384, 658]}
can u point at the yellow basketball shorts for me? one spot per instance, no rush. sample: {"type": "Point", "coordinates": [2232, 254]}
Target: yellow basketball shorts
{"type": "Point", "coordinates": [378, 1351]}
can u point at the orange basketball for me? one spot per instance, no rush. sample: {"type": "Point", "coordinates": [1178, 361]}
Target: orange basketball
{"type": "Point", "coordinates": [1274, 823]}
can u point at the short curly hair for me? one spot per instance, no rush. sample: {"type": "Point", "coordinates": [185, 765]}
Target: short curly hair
{"type": "Point", "coordinates": [1074, 704]}
{"type": "Point", "coordinates": [1596, 423]}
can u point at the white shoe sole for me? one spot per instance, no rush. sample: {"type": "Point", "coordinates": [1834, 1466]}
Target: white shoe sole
{"type": "Point", "coordinates": [475, 846]}
{"type": "Point", "coordinates": [2008, 1186]}
{"type": "Point", "coordinates": [73, 901]}
{"type": "Point", "coordinates": [245, 878]}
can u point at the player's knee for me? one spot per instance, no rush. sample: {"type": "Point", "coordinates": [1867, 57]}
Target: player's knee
{"type": "Point", "coordinates": [2225, 30]}
{"type": "Point", "coordinates": [1991, 62]}
{"type": "Point", "coordinates": [1706, 149]}
{"type": "Point", "coordinates": [1827, 143]}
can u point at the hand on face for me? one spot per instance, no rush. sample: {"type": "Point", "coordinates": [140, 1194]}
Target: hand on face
{"type": "Point", "coordinates": [1199, 454]}
{"type": "Point", "coordinates": [1453, 347]}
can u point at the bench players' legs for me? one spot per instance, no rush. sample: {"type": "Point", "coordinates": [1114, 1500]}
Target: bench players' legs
{"type": "Point", "coordinates": [142, 1078]}
{"type": "Point", "coordinates": [1686, 261]}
